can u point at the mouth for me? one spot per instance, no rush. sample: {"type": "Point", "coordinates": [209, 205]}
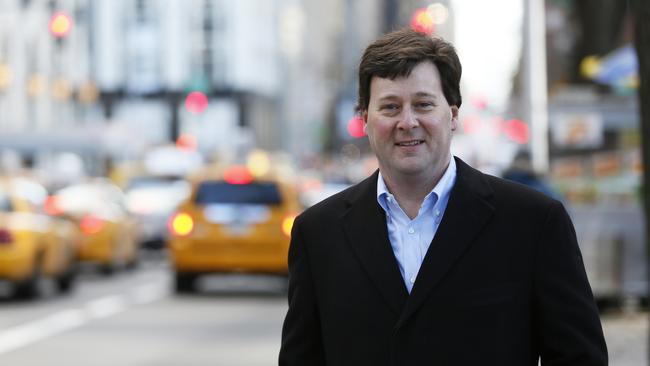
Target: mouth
{"type": "Point", "coordinates": [409, 143]}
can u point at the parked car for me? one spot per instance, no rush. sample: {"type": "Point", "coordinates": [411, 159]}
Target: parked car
{"type": "Point", "coordinates": [108, 231]}
{"type": "Point", "coordinates": [232, 222]}
{"type": "Point", "coordinates": [34, 245]}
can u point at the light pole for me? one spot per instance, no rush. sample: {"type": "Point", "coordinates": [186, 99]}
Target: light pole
{"type": "Point", "coordinates": [535, 83]}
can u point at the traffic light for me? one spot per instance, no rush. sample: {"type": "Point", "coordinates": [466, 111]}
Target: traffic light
{"type": "Point", "coordinates": [516, 130]}
{"type": "Point", "coordinates": [423, 21]}
{"type": "Point", "coordinates": [60, 24]}
{"type": "Point", "coordinates": [196, 102]}
{"type": "Point", "coordinates": [355, 127]}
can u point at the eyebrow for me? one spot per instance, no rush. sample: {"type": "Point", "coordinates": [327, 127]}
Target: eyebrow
{"type": "Point", "coordinates": [425, 94]}
{"type": "Point", "coordinates": [418, 94]}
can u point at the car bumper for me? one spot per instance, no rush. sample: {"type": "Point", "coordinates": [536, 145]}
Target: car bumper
{"type": "Point", "coordinates": [231, 256]}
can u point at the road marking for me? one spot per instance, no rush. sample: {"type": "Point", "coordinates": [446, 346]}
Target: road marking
{"type": "Point", "coordinates": [149, 293]}
{"type": "Point", "coordinates": [37, 330]}
{"type": "Point", "coordinates": [65, 320]}
{"type": "Point", "coordinates": [106, 306]}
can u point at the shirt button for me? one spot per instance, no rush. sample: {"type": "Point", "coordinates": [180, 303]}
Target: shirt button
{"type": "Point", "coordinates": [437, 213]}
{"type": "Point", "coordinates": [411, 231]}
{"type": "Point", "coordinates": [412, 280]}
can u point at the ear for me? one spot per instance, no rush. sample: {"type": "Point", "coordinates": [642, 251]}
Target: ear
{"type": "Point", "coordinates": [364, 116]}
{"type": "Point", "coordinates": [454, 118]}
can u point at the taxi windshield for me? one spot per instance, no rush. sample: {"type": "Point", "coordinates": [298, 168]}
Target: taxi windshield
{"type": "Point", "coordinates": [264, 193]}
{"type": "Point", "coordinates": [5, 203]}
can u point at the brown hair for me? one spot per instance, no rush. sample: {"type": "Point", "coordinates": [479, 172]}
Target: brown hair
{"type": "Point", "coordinates": [397, 53]}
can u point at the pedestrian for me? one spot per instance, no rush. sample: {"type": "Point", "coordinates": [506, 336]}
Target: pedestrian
{"type": "Point", "coordinates": [521, 171]}
{"type": "Point", "coordinates": [429, 261]}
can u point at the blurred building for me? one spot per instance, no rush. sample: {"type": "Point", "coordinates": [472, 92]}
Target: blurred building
{"type": "Point", "coordinates": [116, 79]}
{"type": "Point", "coordinates": [153, 54]}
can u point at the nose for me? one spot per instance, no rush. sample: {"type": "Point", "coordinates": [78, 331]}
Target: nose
{"type": "Point", "coordinates": [407, 120]}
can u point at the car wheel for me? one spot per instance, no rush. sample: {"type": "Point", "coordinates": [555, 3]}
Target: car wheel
{"type": "Point", "coordinates": [65, 282]}
{"type": "Point", "coordinates": [133, 263]}
{"type": "Point", "coordinates": [30, 287]}
{"type": "Point", "coordinates": [184, 282]}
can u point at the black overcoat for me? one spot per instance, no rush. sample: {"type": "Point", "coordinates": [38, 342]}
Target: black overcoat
{"type": "Point", "coordinates": [503, 283]}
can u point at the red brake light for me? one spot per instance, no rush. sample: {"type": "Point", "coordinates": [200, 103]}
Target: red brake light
{"type": "Point", "coordinates": [238, 174]}
{"type": "Point", "coordinates": [5, 237]}
{"type": "Point", "coordinates": [91, 225]}
{"type": "Point", "coordinates": [180, 224]}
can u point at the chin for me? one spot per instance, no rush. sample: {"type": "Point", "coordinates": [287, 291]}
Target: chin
{"type": "Point", "coordinates": [411, 169]}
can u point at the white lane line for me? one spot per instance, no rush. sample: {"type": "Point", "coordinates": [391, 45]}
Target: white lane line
{"type": "Point", "coordinates": [37, 330]}
{"type": "Point", "coordinates": [62, 321]}
{"type": "Point", "coordinates": [106, 306]}
{"type": "Point", "coordinates": [148, 293]}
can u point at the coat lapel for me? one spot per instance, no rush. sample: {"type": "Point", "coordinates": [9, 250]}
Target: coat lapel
{"type": "Point", "coordinates": [467, 213]}
{"type": "Point", "coordinates": [364, 224]}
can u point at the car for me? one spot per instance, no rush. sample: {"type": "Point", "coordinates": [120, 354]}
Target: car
{"type": "Point", "coordinates": [151, 199]}
{"type": "Point", "coordinates": [109, 233]}
{"type": "Point", "coordinates": [34, 245]}
{"type": "Point", "coordinates": [232, 222]}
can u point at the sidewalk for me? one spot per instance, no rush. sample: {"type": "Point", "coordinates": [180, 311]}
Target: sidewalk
{"type": "Point", "coordinates": [627, 338]}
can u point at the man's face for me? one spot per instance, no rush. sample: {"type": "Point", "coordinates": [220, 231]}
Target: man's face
{"type": "Point", "coordinates": [409, 124]}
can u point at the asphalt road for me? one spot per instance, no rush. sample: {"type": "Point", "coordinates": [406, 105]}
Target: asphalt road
{"type": "Point", "coordinates": [132, 319]}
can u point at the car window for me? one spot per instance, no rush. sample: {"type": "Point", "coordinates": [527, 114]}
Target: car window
{"type": "Point", "coordinates": [148, 181]}
{"type": "Point", "coordinates": [5, 203]}
{"type": "Point", "coordinates": [100, 199]}
{"type": "Point", "coordinates": [265, 193]}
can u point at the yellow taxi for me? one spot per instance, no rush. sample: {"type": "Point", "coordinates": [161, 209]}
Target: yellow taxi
{"type": "Point", "coordinates": [232, 222]}
{"type": "Point", "coordinates": [33, 245]}
{"type": "Point", "coordinates": [108, 232]}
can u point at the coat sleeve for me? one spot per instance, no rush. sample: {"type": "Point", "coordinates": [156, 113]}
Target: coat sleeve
{"type": "Point", "coordinates": [301, 333]}
{"type": "Point", "coordinates": [566, 316]}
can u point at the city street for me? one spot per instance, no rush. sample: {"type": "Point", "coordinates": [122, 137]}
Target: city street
{"type": "Point", "coordinates": [132, 319]}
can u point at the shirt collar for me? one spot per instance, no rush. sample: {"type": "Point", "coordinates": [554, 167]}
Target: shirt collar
{"type": "Point", "coordinates": [441, 190]}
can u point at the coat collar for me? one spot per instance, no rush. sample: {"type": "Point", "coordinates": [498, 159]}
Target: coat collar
{"type": "Point", "coordinates": [364, 223]}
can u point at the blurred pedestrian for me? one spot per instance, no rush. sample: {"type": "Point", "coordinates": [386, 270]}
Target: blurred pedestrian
{"type": "Point", "coordinates": [429, 261]}
{"type": "Point", "coordinates": [521, 171]}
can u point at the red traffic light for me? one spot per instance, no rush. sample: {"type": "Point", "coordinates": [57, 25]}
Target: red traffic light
{"type": "Point", "coordinates": [422, 21]}
{"type": "Point", "coordinates": [60, 24]}
{"type": "Point", "coordinates": [517, 131]}
{"type": "Point", "coordinates": [196, 102]}
{"type": "Point", "coordinates": [355, 127]}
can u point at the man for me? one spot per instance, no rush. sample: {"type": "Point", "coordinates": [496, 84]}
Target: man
{"type": "Point", "coordinates": [428, 261]}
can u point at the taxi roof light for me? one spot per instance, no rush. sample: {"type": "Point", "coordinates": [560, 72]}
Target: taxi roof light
{"type": "Point", "coordinates": [52, 206]}
{"type": "Point", "coordinates": [238, 174]}
{"type": "Point", "coordinates": [91, 224]}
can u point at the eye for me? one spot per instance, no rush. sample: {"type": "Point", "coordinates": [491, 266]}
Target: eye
{"type": "Point", "coordinates": [389, 107]}
{"type": "Point", "coordinates": [424, 105]}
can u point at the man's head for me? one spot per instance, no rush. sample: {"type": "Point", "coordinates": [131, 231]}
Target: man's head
{"type": "Point", "coordinates": [397, 53]}
{"type": "Point", "coordinates": [408, 98]}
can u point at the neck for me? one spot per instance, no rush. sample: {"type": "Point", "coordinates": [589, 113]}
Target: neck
{"type": "Point", "coordinates": [410, 190]}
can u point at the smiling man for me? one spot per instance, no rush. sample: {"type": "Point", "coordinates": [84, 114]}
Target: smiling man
{"type": "Point", "coordinates": [429, 261]}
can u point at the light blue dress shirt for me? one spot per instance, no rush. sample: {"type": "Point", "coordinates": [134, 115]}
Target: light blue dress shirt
{"type": "Point", "coordinates": [410, 239]}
